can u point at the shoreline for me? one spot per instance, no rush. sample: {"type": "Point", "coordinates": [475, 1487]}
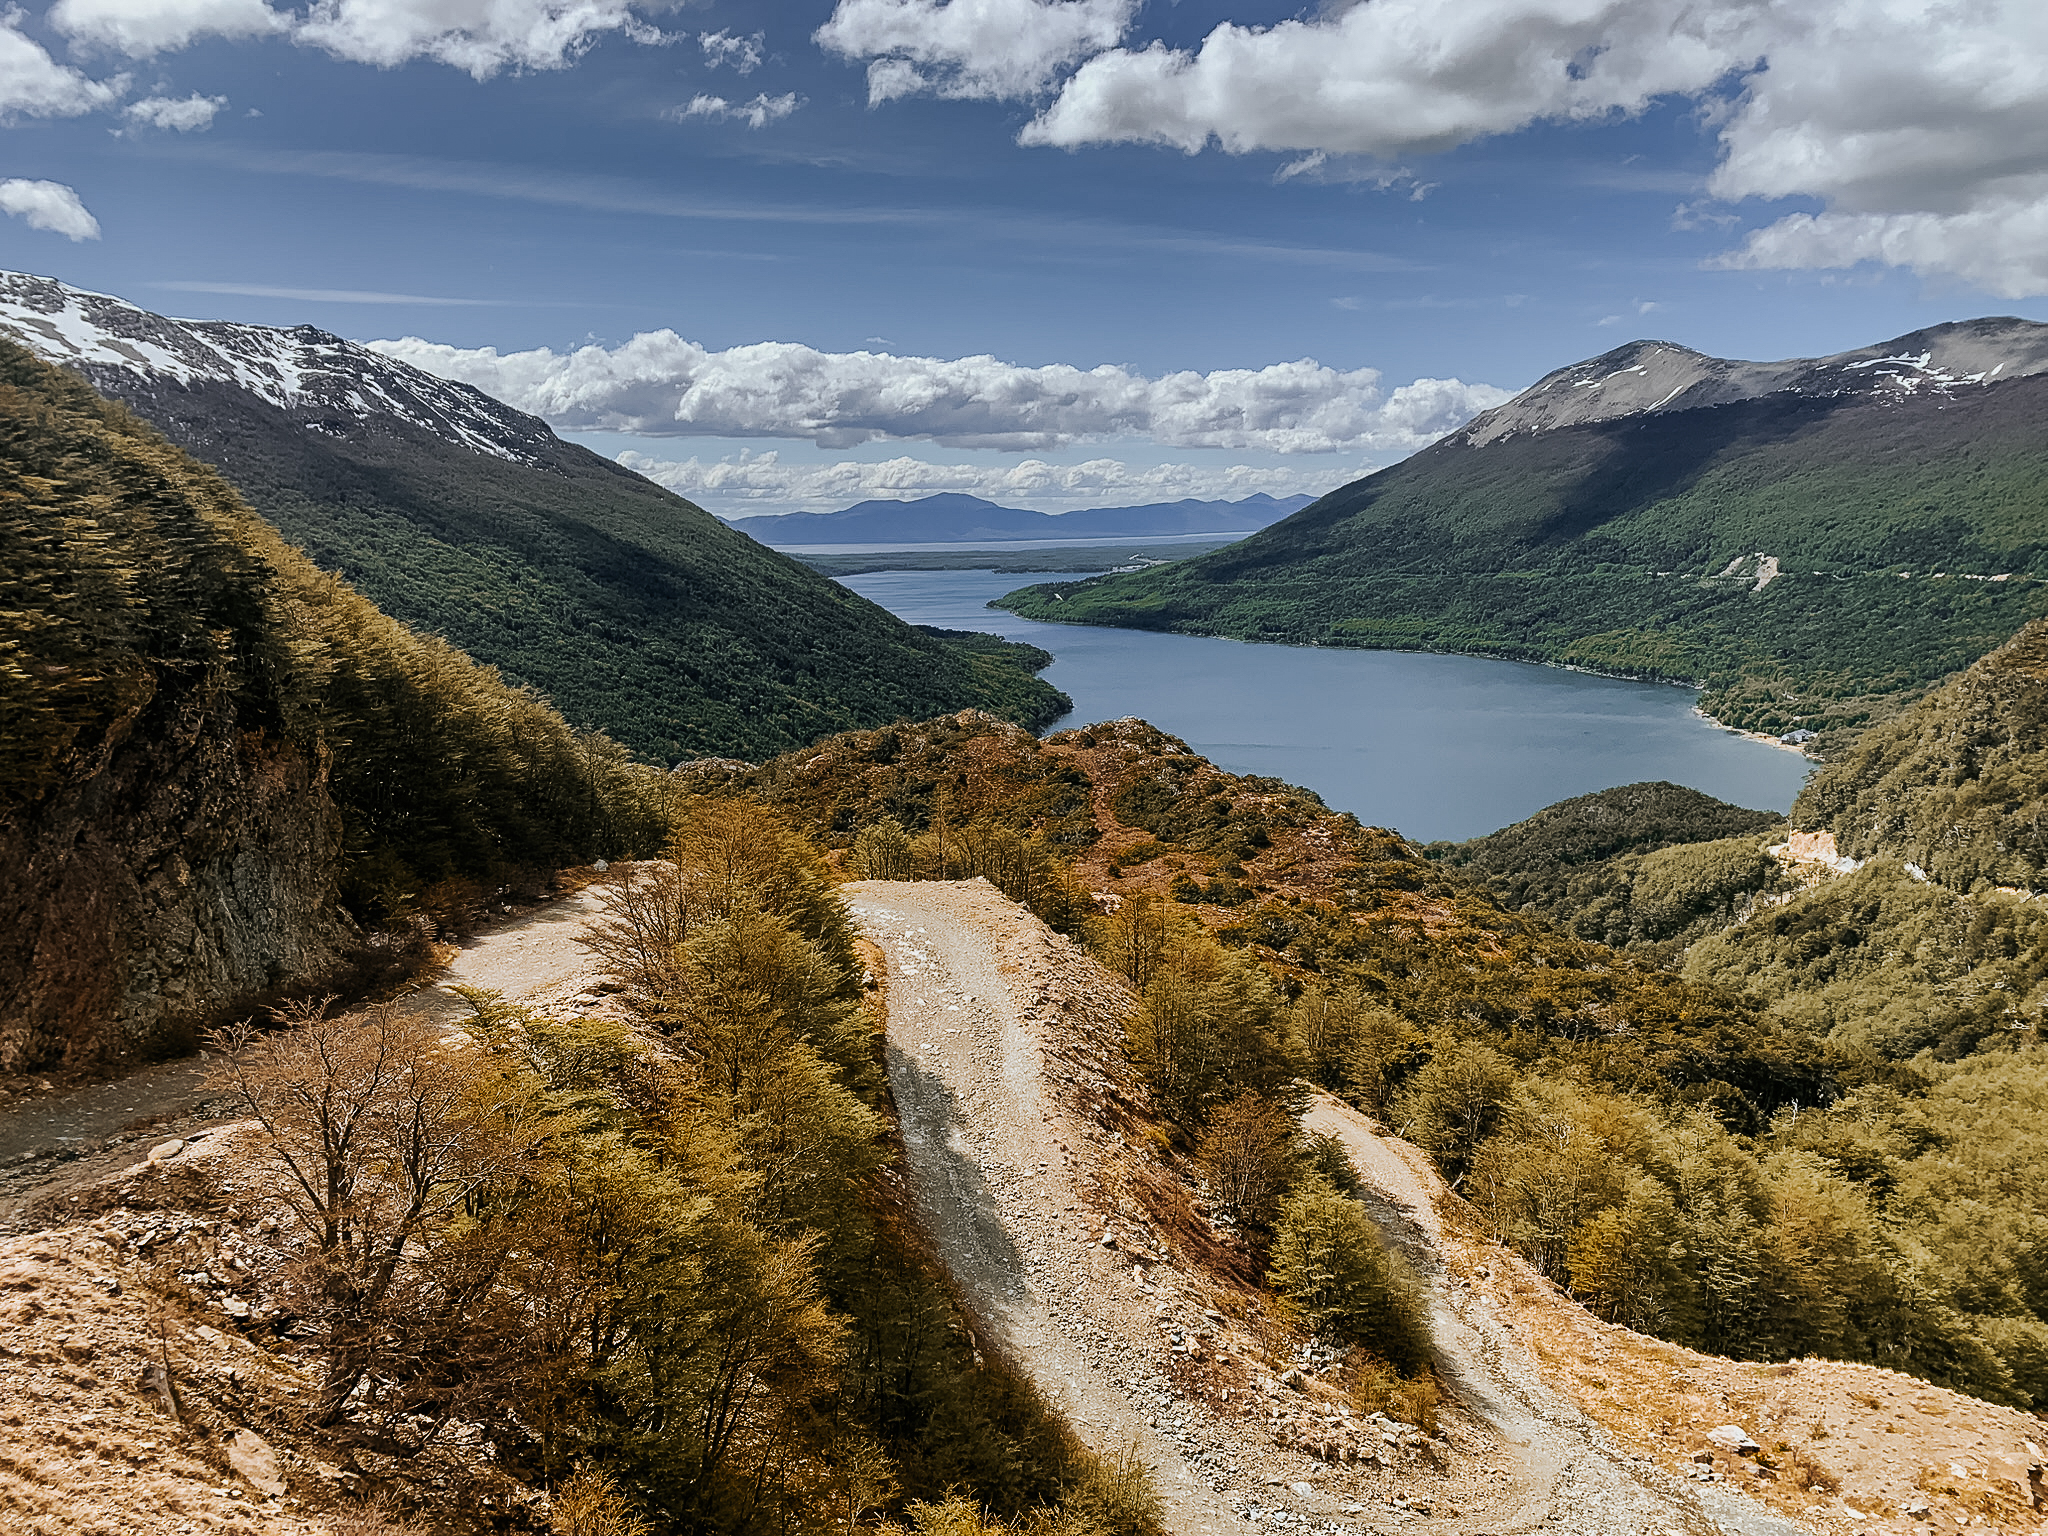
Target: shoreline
{"type": "Point", "coordinates": [1561, 666]}
{"type": "Point", "coordinates": [1757, 736]}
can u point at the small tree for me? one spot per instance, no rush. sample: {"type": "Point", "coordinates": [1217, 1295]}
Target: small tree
{"type": "Point", "coordinates": [1329, 1265]}
{"type": "Point", "coordinates": [1247, 1155]}
{"type": "Point", "coordinates": [1456, 1102]}
{"type": "Point", "coordinates": [882, 851]}
{"type": "Point", "coordinates": [381, 1130]}
{"type": "Point", "coordinates": [1132, 940]}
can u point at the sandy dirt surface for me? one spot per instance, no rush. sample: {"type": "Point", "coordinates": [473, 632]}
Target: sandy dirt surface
{"type": "Point", "coordinates": [53, 1136]}
{"type": "Point", "coordinates": [86, 1448]}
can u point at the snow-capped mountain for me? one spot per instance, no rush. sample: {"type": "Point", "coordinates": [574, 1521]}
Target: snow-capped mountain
{"type": "Point", "coordinates": [322, 381]}
{"type": "Point", "coordinates": [1659, 376]}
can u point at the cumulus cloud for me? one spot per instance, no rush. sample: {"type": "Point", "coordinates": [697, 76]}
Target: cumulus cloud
{"type": "Point", "coordinates": [33, 83]}
{"type": "Point", "coordinates": [660, 384]}
{"type": "Point", "coordinates": [970, 48]}
{"type": "Point", "coordinates": [139, 28]}
{"type": "Point", "coordinates": [182, 116]}
{"type": "Point", "coordinates": [744, 54]}
{"type": "Point", "coordinates": [758, 113]}
{"type": "Point", "coordinates": [1920, 126]}
{"type": "Point", "coordinates": [752, 483]}
{"type": "Point", "coordinates": [48, 205]}
{"type": "Point", "coordinates": [480, 36]}
{"type": "Point", "coordinates": [483, 37]}
{"type": "Point", "coordinates": [1402, 77]}
{"type": "Point", "coordinates": [1923, 131]}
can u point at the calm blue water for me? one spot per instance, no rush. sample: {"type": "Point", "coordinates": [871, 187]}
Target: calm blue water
{"type": "Point", "coordinates": [1434, 746]}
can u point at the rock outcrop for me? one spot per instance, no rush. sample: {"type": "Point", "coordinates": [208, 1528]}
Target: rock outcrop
{"type": "Point", "coordinates": [193, 865]}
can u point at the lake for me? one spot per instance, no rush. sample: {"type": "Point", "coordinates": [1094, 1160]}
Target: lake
{"type": "Point", "coordinates": [1433, 746]}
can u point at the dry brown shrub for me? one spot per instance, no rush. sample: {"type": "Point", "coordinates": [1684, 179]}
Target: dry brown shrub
{"type": "Point", "coordinates": [590, 1504]}
{"type": "Point", "coordinates": [1804, 1470]}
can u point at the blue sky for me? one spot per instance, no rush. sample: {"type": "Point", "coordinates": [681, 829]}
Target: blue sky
{"type": "Point", "coordinates": [1404, 190]}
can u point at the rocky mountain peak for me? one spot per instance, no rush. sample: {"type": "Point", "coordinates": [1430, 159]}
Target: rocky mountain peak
{"type": "Point", "coordinates": [318, 378]}
{"type": "Point", "coordinates": [1646, 377]}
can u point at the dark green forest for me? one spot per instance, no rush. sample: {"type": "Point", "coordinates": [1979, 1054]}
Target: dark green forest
{"type": "Point", "coordinates": [630, 609]}
{"type": "Point", "coordinates": [1631, 547]}
{"type": "Point", "coordinates": [1648, 867]}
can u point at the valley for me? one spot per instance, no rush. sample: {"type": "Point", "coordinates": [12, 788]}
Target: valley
{"type": "Point", "coordinates": [633, 611]}
{"type": "Point", "coordinates": [1798, 539]}
{"type": "Point", "coordinates": [859, 1105]}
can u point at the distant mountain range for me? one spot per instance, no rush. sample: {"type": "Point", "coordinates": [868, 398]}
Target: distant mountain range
{"type": "Point", "coordinates": [632, 609]}
{"type": "Point", "coordinates": [1813, 541]}
{"type": "Point", "coordinates": [957, 519]}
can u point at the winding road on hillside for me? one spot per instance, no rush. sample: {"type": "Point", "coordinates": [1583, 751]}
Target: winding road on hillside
{"type": "Point", "coordinates": [1004, 1175]}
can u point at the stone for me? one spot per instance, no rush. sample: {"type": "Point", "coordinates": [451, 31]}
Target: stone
{"type": "Point", "coordinates": [1733, 1437]}
{"type": "Point", "coordinates": [164, 1151]}
{"type": "Point", "coordinates": [254, 1460]}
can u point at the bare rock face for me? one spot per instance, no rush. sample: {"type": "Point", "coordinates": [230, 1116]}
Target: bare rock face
{"type": "Point", "coordinates": [1653, 377]}
{"type": "Point", "coordinates": [191, 867]}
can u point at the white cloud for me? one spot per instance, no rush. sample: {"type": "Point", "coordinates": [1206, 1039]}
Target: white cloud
{"type": "Point", "coordinates": [751, 483]}
{"type": "Point", "coordinates": [1920, 126]}
{"type": "Point", "coordinates": [758, 113]}
{"type": "Point", "coordinates": [970, 48]}
{"type": "Point", "coordinates": [32, 82]}
{"type": "Point", "coordinates": [483, 37]}
{"type": "Point", "coordinates": [662, 385]}
{"type": "Point", "coordinates": [744, 54]}
{"type": "Point", "coordinates": [1922, 129]}
{"type": "Point", "coordinates": [48, 205]}
{"type": "Point", "coordinates": [1402, 77]}
{"type": "Point", "coordinates": [480, 36]}
{"type": "Point", "coordinates": [139, 28]}
{"type": "Point", "coordinates": [1999, 245]}
{"type": "Point", "coordinates": [183, 116]}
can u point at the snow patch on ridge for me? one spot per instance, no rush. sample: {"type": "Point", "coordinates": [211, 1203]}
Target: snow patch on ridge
{"type": "Point", "coordinates": [1649, 377]}
{"type": "Point", "coordinates": [301, 370]}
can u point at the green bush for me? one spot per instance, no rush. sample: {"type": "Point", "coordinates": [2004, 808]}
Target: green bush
{"type": "Point", "coordinates": [1329, 1264]}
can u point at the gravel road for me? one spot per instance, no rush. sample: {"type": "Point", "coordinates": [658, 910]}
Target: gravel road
{"type": "Point", "coordinates": [999, 1174]}
{"type": "Point", "coordinates": [1003, 1179]}
{"type": "Point", "coordinates": [52, 1135]}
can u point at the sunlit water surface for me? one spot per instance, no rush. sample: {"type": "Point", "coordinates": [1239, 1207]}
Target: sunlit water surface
{"type": "Point", "coordinates": [1435, 746]}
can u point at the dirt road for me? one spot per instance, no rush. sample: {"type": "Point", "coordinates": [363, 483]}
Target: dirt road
{"type": "Point", "coordinates": [51, 1135]}
{"type": "Point", "coordinates": [999, 1168]}
{"type": "Point", "coordinates": [1003, 1176]}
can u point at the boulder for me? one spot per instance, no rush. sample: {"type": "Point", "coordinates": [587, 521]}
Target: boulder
{"type": "Point", "coordinates": [254, 1460]}
{"type": "Point", "coordinates": [1734, 1439]}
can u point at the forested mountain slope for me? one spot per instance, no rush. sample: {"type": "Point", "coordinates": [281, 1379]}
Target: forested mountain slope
{"type": "Point", "coordinates": [1649, 866]}
{"type": "Point", "coordinates": [1813, 542]}
{"type": "Point", "coordinates": [1958, 784]}
{"type": "Point", "coordinates": [1712, 1167]}
{"type": "Point", "coordinates": [634, 611]}
{"type": "Point", "coordinates": [215, 760]}
{"type": "Point", "coordinates": [1928, 932]}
